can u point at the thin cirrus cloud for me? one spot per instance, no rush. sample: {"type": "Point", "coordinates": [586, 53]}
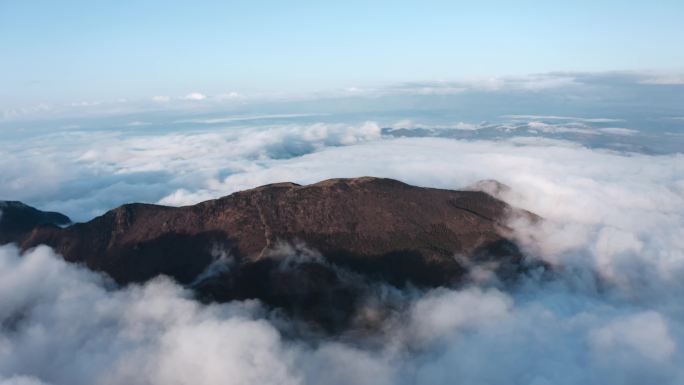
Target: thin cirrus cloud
{"type": "Point", "coordinates": [161, 98]}
{"type": "Point", "coordinates": [619, 130]}
{"type": "Point", "coordinates": [540, 91]}
{"type": "Point", "coordinates": [196, 96]}
{"type": "Point", "coordinates": [242, 118]}
{"type": "Point", "coordinates": [614, 96]}
{"type": "Point", "coordinates": [568, 118]}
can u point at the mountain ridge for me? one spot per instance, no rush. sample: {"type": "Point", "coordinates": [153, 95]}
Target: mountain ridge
{"type": "Point", "coordinates": [242, 245]}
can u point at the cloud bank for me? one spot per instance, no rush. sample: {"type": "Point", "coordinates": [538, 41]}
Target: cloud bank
{"type": "Point", "coordinates": [63, 324]}
{"type": "Point", "coordinates": [614, 230]}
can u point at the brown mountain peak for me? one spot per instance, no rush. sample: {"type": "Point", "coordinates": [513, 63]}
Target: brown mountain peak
{"type": "Point", "coordinates": [378, 229]}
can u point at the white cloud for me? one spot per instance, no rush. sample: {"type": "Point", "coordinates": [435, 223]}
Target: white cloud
{"type": "Point", "coordinates": [154, 334]}
{"type": "Point", "coordinates": [410, 124]}
{"type": "Point", "coordinates": [559, 128]}
{"type": "Point", "coordinates": [242, 118]}
{"type": "Point", "coordinates": [106, 169]}
{"type": "Point", "coordinates": [137, 123]}
{"type": "Point", "coordinates": [532, 83]}
{"type": "Point", "coordinates": [85, 103]}
{"type": "Point", "coordinates": [161, 98]}
{"type": "Point", "coordinates": [582, 192]}
{"type": "Point", "coordinates": [614, 224]}
{"type": "Point", "coordinates": [441, 313]}
{"type": "Point", "coordinates": [644, 333]}
{"type": "Point", "coordinates": [570, 118]}
{"type": "Point", "coordinates": [195, 96]}
{"type": "Point", "coordinates": [66, 325]}
{"type": "Point", "coordinates": [229, 96]}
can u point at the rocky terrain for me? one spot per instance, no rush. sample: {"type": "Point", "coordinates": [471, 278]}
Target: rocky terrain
{"type": "Point", "coordinates": [312, 250]}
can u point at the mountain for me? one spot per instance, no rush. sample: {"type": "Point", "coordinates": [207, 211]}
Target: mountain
{"type": "Point", "coordinates": [310, 250]}
{"type": "Point", "coordinates": [16, 219]}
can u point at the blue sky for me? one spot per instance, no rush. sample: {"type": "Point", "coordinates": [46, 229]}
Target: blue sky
{"type": "Point", "coordinates": [84, 50]}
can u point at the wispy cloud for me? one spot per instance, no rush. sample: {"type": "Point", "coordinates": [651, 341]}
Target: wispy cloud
{"type": "Point", "coordinates": [619, 131]}
{"type": "Point", "coordinates": [609, 217]}
{"type": "Point", "coordinates": [241, 118]}
{"type": "Point", "coordinates": [559, 128]}
{"type": "Point", "coordinates": [137, 123]}
{"type": "Point", "coordinates": [161, 98]}
{"type": "Point", "coordinates": [569, 118]}
{"type": "Point", "coordinates": [195, 96]}
{"type": "Point", "coordinates": [612, 217]}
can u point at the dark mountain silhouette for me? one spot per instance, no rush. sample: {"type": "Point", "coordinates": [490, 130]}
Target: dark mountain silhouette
{"type": "Point", "coordinates": [310, 250]}
{"type": "Point", "coordinates": [17, 219]}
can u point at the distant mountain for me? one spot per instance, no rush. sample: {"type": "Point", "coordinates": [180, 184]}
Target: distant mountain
{"type": "Point", "coordinates": [310, 250]}
{"type": "Point", "coordinates": [16, 219]}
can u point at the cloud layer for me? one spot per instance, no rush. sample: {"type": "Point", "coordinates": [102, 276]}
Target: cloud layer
{"type": "Point", "coordinates": [614, 228]}
{"type": "Point", "coordinates": [66, 325]}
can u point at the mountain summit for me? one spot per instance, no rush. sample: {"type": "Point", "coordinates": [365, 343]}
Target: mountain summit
{"type": "Point", "coordinates": [306, 249]}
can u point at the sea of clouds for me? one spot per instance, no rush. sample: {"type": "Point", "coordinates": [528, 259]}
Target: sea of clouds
{"type": "Point", "coordinates": [614, 229]}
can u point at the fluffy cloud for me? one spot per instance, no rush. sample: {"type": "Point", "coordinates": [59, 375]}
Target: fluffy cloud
{"type": "Point", "coordinates": [409, 124]}
{"type": "Point", "coordinates": [85, 173]}
{"type": "Point", "coordinates": [440, 313]}
{"type": "Point", "coordinates": [195, 96]}
{"type": "Point", "coordinates": [62, 324]}
{"type": "Point", "coordinates": [152, 334]}
{"type": "Point", "coordinates": [161, 98]}
{"type": "Point", "coordinates": [614, 227]}
{"type": "Point", "coordinates": [610, 208]}
{"type": "Point", "coordinates": [644, 334]}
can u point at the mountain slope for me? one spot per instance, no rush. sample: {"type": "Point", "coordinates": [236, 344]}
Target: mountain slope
{"type": "Point", "coordinates": [303, 248]}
